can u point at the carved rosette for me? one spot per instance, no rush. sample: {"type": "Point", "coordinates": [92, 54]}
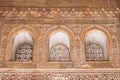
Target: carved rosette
{"type": "Point", "coordinates": [59, 52]}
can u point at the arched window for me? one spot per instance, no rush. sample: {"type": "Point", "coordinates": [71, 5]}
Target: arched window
{"type": "Point", "coordinates": [96, 47]}
{"type": "Point", "coordinates": [22, 49]}
{"type": "Point", "coordinates": [59, 47]}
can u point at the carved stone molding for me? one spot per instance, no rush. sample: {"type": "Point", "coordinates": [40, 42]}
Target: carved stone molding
{"type": "Point", "coordinates": [93, 74]}
{"type": "Point", "coordinates": [20, 15]}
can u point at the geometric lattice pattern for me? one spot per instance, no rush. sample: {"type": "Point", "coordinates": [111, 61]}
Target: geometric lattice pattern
{"type": "Point", "coordinates": [24, 53]}
{"type": "Point", "coordinates": [94, 52]}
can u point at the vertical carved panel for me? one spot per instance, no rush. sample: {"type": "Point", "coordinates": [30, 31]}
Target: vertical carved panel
{"type": "Point", "coordinates": [114, 44]}
{"type": "Point", "coordinates": [1, 57]}
{"type": "Point", "coordinates": [41, 56]}
{"type": "Point", "coordinates": [118, 33]}
{"type": "Point", "coordinates": [117, 55]}
{"type": "Point", "coordinates": [3, 48]}
{"type": "Point", "coordinates": [115, 51]}
{"type": "Point", "coordinates": [0, 44]}
{"type": "Point", "coordinates": [78, 50]}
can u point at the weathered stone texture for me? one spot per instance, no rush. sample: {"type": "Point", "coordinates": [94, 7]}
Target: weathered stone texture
{"type": "Point", "coordinates": [76, 18]}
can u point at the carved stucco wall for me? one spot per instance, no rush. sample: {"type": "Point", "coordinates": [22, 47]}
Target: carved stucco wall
{"type": "Point", "coordinates": [44, 19]}
{"type": "Point", "coordinates": [77, 45]}
{"type": "Point", "coordinates": [74, 17]}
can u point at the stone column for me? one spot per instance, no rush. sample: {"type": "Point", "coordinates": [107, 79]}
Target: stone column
{"type": "Point", "coordinates": [80, 54]}
{"type": "Point", "coordinates": [77, 56]}
{"type": "Point", "coordinates": [3, 50]}
{"type": "Point", "coordinates": [40, 56]}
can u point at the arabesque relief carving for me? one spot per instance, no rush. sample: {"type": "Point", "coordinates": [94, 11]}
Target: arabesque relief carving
{"type": "Point", "coordinates": [48, 75]}
{"type": "Point", "coordinates": [74, 57]}
{"type": "Point", "coordinates": [58, 15]}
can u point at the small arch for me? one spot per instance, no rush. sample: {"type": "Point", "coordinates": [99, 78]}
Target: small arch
{"type": "Point", "coordinates": [68, 44]}
{"type": "Point", "coordinates": [22, 49]}
{"type": "Point", "coordinates": [104, 32]}
{"type": "Point", "coordinates": [59, 47]}
{"type": "Point", "coordinates": [95, 46]}
{"type": "Point", "coordinates": [13, 34]}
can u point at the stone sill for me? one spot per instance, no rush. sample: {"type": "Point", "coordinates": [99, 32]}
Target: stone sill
{"type": "Point", "coordinates": [60, 70]}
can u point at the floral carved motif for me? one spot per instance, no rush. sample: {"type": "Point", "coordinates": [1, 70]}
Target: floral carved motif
{"type": "Point", "coordinates": [59, 52]}
{"type": "Point", "coordinates": [55, 75]}
{"type": "Point", "coordinates": [57, 15]}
